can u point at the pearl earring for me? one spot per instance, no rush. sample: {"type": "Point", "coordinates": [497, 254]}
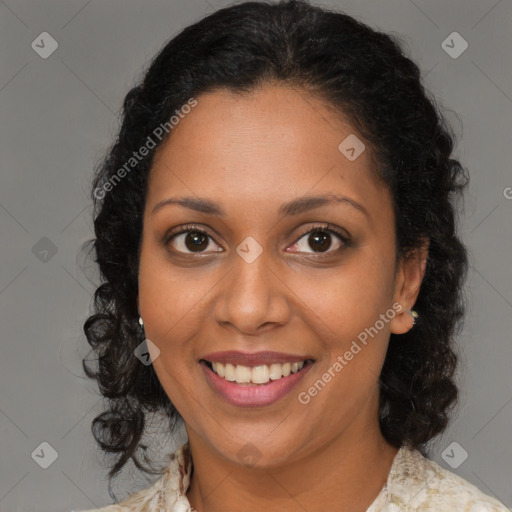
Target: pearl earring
{"type": "Point", "coordinates": [141, 323]}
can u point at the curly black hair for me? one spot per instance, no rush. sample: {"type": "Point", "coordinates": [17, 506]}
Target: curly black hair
{"type": "Point", "coordinates": [365, 76]}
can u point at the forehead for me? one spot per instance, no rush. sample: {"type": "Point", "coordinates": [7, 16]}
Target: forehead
{"type": "Point", "coordinates": [274, 143]}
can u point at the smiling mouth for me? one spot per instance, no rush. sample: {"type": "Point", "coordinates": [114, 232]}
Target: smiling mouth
{"type": "Point", "coordinates": [262, 374]}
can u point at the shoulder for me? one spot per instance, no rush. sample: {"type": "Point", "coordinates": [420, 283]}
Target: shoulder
{"type": "Point", "coordinates": [152, 498]}
{"type": "Point", "coordinates": [167, 493]}
{"type": "Point", "coordinates": [417, 483]}
{"type": "Point", "coordinates": [147, 499]}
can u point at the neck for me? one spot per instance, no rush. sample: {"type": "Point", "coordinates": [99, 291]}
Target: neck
{"type": "Point", "coordinates": [349, 470]}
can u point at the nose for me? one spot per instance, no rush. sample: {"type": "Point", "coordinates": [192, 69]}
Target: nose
{"type": "Point", "coordinates": [252, 298]}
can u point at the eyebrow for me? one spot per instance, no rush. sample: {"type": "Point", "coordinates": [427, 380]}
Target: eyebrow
{"type": "Point", "coordinates": [292, 208]}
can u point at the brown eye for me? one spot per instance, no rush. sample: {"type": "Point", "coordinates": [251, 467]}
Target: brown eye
{"type": "Point", "coordinates": [196, 241]}
{"type": "Point", "coordinates": [191, 241]}
{"type": "Point", "coordinates": [320, 240]}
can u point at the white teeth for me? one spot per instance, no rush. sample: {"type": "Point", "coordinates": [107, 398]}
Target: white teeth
{"type": "Point", "coordinates": [219, 369]}
{"type": "Point", "coordinates": [229, 371]}
{"type": "Point", "coordinates": [257, 374]}
{"type": "Point", "coordinates": [275, 371]}
{"type": "Point", "coordinates": [260, 374]}
{"type": "Point", "coordinates": [242, 374]}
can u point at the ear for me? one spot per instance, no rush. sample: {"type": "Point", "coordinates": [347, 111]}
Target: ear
{"type": "Point", "coordinates": [408, 281]}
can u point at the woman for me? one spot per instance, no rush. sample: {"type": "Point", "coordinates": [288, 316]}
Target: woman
{"type": "Point", "coordinates": [276, 231]}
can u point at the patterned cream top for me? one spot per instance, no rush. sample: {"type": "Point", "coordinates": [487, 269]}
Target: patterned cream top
{"type": "Point", "coordinates": [414, 483]}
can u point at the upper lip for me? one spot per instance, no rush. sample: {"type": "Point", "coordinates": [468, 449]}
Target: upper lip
{"type": "Point", "coordinates": [253, 359]}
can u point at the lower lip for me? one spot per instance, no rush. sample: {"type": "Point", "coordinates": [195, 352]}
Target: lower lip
{"type": "Point", "coordinates": [257, 395]}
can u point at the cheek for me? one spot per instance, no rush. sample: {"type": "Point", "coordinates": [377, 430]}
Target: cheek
{"type": "Point", "coordinates": [170, 308]}
{"type": "Point", "coordinates": [351, 299]}
{"type": "Point", "coordinates": [347, 322]}
{"type": "Point", "coordinates": [170, 299]}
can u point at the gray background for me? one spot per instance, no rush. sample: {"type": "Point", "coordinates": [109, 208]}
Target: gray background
{"type": "Point", "coordinates": [58, 116]}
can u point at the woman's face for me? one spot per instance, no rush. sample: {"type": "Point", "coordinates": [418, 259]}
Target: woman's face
{"type": "Point", "coordinates": [259, 281]}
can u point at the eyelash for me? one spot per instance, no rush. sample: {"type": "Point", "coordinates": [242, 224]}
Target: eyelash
{"type": "Point", "coordinates": [326, 228]}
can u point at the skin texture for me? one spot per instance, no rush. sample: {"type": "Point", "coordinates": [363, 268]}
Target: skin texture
{"type": "Point", "coordinates": [250, 154]}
